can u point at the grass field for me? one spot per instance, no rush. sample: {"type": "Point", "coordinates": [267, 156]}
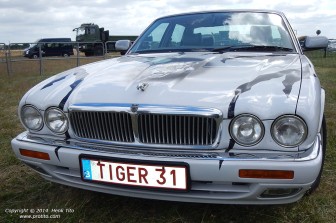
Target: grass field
{"type": "Point", "coordinates": [22, 188]}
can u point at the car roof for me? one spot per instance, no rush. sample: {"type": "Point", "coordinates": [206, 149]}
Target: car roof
{"type": "Point", "coordinates": [228, 10]}
{"type": "Point", "coordinates": [55, 40]}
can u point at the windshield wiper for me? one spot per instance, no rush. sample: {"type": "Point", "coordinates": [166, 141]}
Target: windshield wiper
{"type": "Point", "coordinates": [230, 48]}
{"type": "Point", "coordinates": [250, 47]}
{"type": "Point", "coordinates": [173, 50]}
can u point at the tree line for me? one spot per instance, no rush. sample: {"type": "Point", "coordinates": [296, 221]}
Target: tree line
{"type": "Point", "coordinates": [18, 46]}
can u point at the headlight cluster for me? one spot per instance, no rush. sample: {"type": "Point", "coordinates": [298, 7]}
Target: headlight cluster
{"type": "Point", "coordinates": [246, 130]}
{"type": "Point", "coordinates": [31, 118]}
{"type": "Point", "coordinates": [287, 130]}
{"type": "Point", "coordinates": [54, 119]}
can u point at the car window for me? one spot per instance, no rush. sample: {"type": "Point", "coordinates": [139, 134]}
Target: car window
{"type": "Point", "coordinates": [153, 39]}
{"type": "Point", "coordinates": [207, 31]}
{"type": "Point", "coordinates": [177, 35]}
{"type": "Point", "coordinates": [91, 30]}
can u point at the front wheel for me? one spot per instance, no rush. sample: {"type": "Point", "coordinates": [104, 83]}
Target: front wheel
{"type": "Point", "coordinates": [88, 54]}
{"type": "Point", "coordinates": [323, 133]}
{"type": "Point", "coordinates": [98, 51]}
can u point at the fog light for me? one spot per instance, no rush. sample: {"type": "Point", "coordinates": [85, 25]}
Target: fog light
{"type": "Point", "coordinates": [279, 192]}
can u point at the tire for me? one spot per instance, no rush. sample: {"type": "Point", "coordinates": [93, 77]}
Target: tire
{"type": "Point", "coordinates": [323, 132]}
{"type": "Point", "coordinates": [98, 51]}
{"type": "Point", "coordinates": [35, 56]}
{"type": "Point", "coordinates": [65, 55]}
{"type": "Point", "coordinates": [88, 54]}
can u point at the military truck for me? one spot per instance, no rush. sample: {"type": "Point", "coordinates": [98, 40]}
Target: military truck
{"type": "Point", "coordinates": [93, 39]}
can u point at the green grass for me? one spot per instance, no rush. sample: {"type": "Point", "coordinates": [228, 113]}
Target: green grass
{"type": "Point", "coordinates": [20, 187]}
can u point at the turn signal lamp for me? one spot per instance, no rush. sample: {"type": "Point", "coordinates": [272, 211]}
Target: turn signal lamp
{"type": "Point", "coordinates": [34, 154]}
{"type": "Point", "coordinates": [267, 174]}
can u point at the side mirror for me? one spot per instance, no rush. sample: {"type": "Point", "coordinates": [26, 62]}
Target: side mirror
{"type": "Point", "coordinates": [315, 43]}
{"type": "Point", "coordinates": [122, 45]}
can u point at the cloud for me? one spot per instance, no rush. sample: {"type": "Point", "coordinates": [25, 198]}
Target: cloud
{"type": "Point", "coordinates": [26, 21]}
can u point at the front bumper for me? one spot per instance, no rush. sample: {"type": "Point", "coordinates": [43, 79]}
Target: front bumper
{"type": "Point", "coordinates": [214, 176]}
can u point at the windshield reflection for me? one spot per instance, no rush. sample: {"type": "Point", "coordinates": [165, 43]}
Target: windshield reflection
{"type": "Point", "coordinates": [208, 31]}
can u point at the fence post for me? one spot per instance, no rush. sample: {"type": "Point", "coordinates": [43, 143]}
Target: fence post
{"type": "Point", "coordinates": [77, 49]}
{"type": "Point", "coordinates": [40, 59]}
{"type": "Point", "coordinates": [9, 60]}
{"type": "Point", "coordinates": [105, 50]}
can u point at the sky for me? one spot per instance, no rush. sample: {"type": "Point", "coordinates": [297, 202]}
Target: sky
{"type": "Point", "coordinates": [24, 21]}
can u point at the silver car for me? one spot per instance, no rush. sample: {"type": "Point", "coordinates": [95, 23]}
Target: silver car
{"type": "Point", "coordinates": [210, 107]}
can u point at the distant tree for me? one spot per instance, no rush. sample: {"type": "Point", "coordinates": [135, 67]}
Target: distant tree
{"type": "Point", "coordinates": [26, 45]}
{"type": "Point", "coordinates": [19, 46]}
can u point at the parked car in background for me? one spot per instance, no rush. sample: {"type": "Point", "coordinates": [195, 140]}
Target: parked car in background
{"type": "Point", "coordinates": [332, 45]}
{"type": "Point", "coordinates": [210, 107]}
{"type": "Point", "coordinates": [50, 47]}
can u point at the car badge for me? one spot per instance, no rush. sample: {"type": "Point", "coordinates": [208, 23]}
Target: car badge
{"type": "Point", "coordinates": [134, 108]}
{"type": "Point", "coordinates": [142, 86]}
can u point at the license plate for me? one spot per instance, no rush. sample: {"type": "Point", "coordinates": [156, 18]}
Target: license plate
{"type": "Point", "coordinates": [161, 176]}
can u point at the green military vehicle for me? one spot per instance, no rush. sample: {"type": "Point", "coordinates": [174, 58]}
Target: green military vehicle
{"type": "Point", "coordinates": [95, 41]}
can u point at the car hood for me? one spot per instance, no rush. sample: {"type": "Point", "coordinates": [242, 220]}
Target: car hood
{"type": "Point", "coordinates": [266, 84]}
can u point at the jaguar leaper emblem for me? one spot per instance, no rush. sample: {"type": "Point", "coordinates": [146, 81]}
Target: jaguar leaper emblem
{"type": "Point", "coordinates": [134, 108]}
{"type": "Point", "coordinates": [142, 86]}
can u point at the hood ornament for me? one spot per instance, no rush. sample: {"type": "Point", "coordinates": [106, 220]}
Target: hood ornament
{"type": "Point", "coordinates": [142, 86]}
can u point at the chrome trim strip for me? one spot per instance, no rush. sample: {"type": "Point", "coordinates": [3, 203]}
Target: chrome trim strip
{"type": "Point", "coordinates": [148, 108]}
{"type": "Point", "coordinates": [219, 155]}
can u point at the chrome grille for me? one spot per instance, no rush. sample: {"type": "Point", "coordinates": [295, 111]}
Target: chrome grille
{"type": "Point", "coordinates": [109, 126]}
{"type": "Point", "coordinates": [176, 129]}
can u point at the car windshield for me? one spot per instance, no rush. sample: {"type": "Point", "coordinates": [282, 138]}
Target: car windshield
{"type": "Point", "coordinates": [81, 31]}
{"type": "Point", "coordinates": [216, 31]}
{"type": "Point", "coordinates": [35, 43]}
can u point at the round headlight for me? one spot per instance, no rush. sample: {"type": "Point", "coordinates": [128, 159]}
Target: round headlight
{"type": "Point", "coordinates": [246, 130]}
{"type": "Point", "coordinates": [31, 118]}
{"type": "Point", "coordinates": [289, 131]}
{"type": "Point", "coordinates": [56, 120]}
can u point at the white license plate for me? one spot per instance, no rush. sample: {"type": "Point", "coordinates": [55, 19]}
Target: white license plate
{"type": "Point", "coordinates": [165, 176]}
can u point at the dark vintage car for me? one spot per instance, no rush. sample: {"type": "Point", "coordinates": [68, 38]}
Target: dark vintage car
{"type": "Point", "coordinates": [213, 107]}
